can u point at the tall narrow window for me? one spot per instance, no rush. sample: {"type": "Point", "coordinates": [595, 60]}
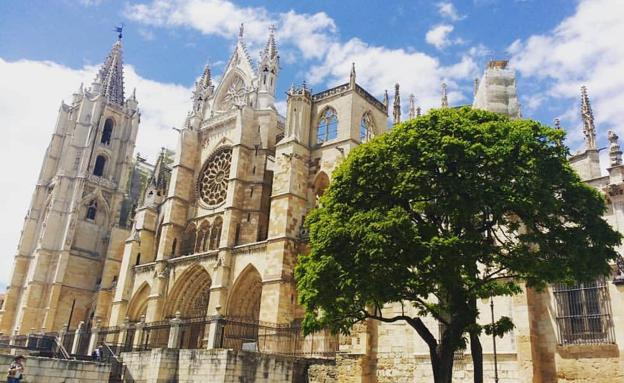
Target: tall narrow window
{"type": "Point", "coordinates": [174, 247]}
{"type": "Point", "coordinates": [366, 127]}
{"type": "Point", "coordinates": [584, 313]}
{"type": "Point", "coordinates": [98, 169]}
{"type": "Point", "coordinates": [107, 132]}
{"type": "Point", "coordinates": [215, 233]}
{"type": "Point", "coordinates": [91, 210]}
{"type": "Point", "coordinates": [327, 126]}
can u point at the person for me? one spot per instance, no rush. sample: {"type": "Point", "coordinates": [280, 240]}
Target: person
{"type": "Point", "coordinates": [16, 370]}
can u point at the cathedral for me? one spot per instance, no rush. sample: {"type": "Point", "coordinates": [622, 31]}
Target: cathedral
{"type": "Point", "coordinates": [184, 267]}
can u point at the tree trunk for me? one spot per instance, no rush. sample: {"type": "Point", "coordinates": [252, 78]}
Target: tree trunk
{"type": "Point", "coordinates": [442, 363]}
{"type": "Point", "coordinates": [477, 357]}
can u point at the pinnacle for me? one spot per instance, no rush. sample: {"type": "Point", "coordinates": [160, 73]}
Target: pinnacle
{"type": "Point", "coordinates": [111, 75]}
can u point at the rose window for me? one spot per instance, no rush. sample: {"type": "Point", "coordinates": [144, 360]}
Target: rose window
{"type": "Point", "coordinates": [213, 179]}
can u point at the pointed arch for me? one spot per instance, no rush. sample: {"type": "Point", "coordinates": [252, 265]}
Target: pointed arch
{"type": "Point", "coordinates": [234, 88]}
{"type": "Point", "coordinates": [190, 294]}
{"type": "Point", "coordinates": [137, 306]}
{"type": "Point", "coordinates": [367, 127]}
{"type": "Point", "coordinates": [245, 295]}
{"type": "Point", "coordinates": [96, 200]}
{"type": "Point", "coordinates": [107, 131]}
{"type": "Point", "coordinates": [327, 128]}
{"type": "Point", "coordinates": [321, 182]}
{"type": "Point", "coordinates": [99, 167]}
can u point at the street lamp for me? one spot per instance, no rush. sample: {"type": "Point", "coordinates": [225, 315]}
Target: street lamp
{"type": "Point", "coordinates": [494, 340]}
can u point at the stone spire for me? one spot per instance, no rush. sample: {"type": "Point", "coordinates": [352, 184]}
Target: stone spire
{"type": "Point", "coordinates": [475, 87]}
{"type": "Point", "coordinates": [444, 96]}
{"type": "Point", "coordinates": [110, 75]}
{"type": "Point", "coordinates": [203, 89]}
{"type": "Point", "coordinates": [270, 49]}
{"type": "Point", "coordinates": [268, 70]}
{"type": "Point", "coordinates": [396, 107]}
{"type": "Point", "coordinates": [352, 76]}
{"type": "Point", "coordinates": [589, 130]}
{"type": "Point", "coordinates": [557, 123]}
{"type": "Point", "coordinates": [412, 106]}
{"type": "Point", "coordinates": [615, 153]}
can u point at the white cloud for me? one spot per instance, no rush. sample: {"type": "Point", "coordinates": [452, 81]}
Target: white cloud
{"type": "Point", "coordinates": [379, 68]}
{"type": "Point", "coordinates": [310, 34]}
{"type": "Point", "coordinates": [447, 10]}
{"type": "Point", "coordinates": [438, 36]}
{"type": "Point", "coordinates": [31, 95]}
{"type": "Point", "coordinates": [584, 48]}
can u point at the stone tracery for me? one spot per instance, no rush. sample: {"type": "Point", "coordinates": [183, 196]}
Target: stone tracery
{"type": "Point", "coordinates": [213, 179]}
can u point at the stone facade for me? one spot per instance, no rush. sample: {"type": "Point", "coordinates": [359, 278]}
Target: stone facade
{"type": "Point", "coordinates": [217, 228]}
{"type": "Point", "coordinates": [60, 371]}
{"type": "Point", "coordinates": [71, 243]}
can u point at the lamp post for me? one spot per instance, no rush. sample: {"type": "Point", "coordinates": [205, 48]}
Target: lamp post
{"type": "Point", "coordinates": [494, 340]}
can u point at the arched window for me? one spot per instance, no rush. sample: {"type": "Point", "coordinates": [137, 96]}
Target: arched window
{"type": "Point", "coordinates": [98, 169]}
{"type": "Point", "coordinates": [107, 132]}
{"type": "Point", "coordinates": [366, 127]}
{"type": "Point", "coordinates": [327, 126]}
{"type": "Point", "coordinates": [91, 210]}
{"type": "Point", "coordinates": [215, 233]}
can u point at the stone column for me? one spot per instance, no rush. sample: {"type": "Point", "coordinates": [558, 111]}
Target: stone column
{"type": "Point", "coordinates": [95, 331]}
{"type": "Point", "coordinates": [215, 332]}
{"type": "Point", "coordinates": [77, 335]}
{"type": "Point", "coordinates": [63, 334]}
{"type": "Point", "coordinates": [174, 331]}
{"type": "Point", "coordinates": [123, 333]}
{"type": "Point", "coordinates": [138, 334]}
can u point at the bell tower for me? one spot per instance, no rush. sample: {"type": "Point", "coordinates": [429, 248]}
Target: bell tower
{"type": "Point", "coordinates": [68, 254]}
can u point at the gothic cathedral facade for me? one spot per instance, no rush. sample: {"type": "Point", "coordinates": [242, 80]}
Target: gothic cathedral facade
{"type": "Point", "coordinates": [214, 232]}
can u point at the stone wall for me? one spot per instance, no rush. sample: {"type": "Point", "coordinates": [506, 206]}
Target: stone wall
{"type": "Point", "coordinates": [223, 366]}
{"type": "Point", "coordinates": [58, 370]}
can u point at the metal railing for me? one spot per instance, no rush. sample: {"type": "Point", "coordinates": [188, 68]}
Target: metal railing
{"type": "Point", "coordinates": [155, 335]}
{"type": "Point", "coordinates": [192, 332]}
{"type": "Point", "coordinates": [271, 338]}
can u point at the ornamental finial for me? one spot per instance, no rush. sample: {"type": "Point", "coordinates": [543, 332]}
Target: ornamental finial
{"type": "Point", "coordinates": [385, 99]}
{"type": "Point", "coordinates": [396, 113]}
{"type": "Point", "coordinates": [241, 30]}
{"type": "Point", "coordinates": [352, 76]}
{"type": "Point", "coordinates": [589, 129]}
{"type": "Point", "coordinates": [444, 96]}
{"type": "Point", "coordinates": [615, 153]}
{"type": "Point", "coordinates": [557, 123]}
{"type": "Point", "coordinates": [412, 106]}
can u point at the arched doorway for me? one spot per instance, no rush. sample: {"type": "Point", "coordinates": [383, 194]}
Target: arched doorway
{"type": "Point", "coordinates": [137, 307]}
{"type": "Point", "coordinates": [190, 297]}
{"type": "Point", "coordinates": [243, 311]}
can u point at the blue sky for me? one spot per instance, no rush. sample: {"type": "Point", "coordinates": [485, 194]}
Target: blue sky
{"type": "Point", "coordinates": [47, 48]}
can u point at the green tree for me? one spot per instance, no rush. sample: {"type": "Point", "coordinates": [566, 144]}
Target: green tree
{"type": "Point", "coordinates": [459, 204]}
